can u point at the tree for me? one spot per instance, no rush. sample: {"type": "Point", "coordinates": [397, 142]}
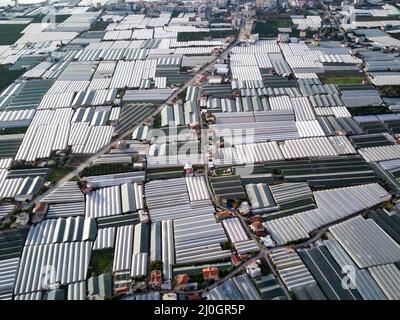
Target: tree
{"type": "Point", "coordinates": [156, 265]}
{"type": "Point", "coordinates": [157, 121]}
{"type": "Point", "coordinates": [276, 171]}
{"type": "Point", "coordinates": [226, 245]}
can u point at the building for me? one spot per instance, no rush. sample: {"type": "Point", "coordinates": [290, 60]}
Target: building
{"type": "Point", "coordinates": [267, 241]}
{"type": "Point", "coordinates": [193, 296]}
{"type": "Point", "coordinates": [224, 214]}
{"type": "Point", "coordinates": [258, 228]}
{"type": "Point", "coordinates": [235, 260]}
{"type": "Point", "coordinates": [155, 278]}
{"type": "Point", "coordinates": [253, 270]}
{"type": "Point", "coordinates": [170, 296]}
{"type": "Point", "coordinates": [211, 273]}
{"type": "Point", "coordinates": [283, 37]}
{"type": "Point", "coordinates": [182, 281]}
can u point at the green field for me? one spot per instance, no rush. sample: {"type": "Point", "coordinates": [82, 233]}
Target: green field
{"type": "Point", "coordinates": [192, 36]}
{"type": "Point", "coordinates": [8, 76]}
{"type": "Point", "coordinates": [9, 33]}
{"type": "Point", "coordinates": [269, 28]}
{"type": "Point", "coordinates": [370, 110]}
{"type": "Point", "coordinates": [389, 91]}
{"type": "Point", "coordinates": [372, 18]}
{"type": "Point", "coordinates": [15, 130]}
{"type": "Point", "coordinates": [107, 168]}
{"type": "Point", "coordinates": [342, 79]}
{"type": "Point", "coordinates": [395, 35]}
{"type": "Point", "coordinates": [57, 173]}
{"type": "Point", "coordinates": [101, 262]}
{"type": "Point", "coordinates": [99, 25]}
{"type": "Point", "coordinates": [59, 18]}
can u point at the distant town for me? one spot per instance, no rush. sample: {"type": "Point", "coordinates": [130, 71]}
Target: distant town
{"type": "Point", "coordinates": [199, 150]}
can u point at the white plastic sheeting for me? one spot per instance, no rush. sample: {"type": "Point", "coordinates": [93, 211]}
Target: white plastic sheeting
{"type": "Point", "coordinates": [332, 205]}
{"type": "Point", "coordinates": [62, 210]}
{"type": "Point", "coordinates": [194, 50]}
{"type": "Point", "coordinates": [198, 239]}
{"type": "Point", "coordinates": [338, 112]}
{"type": "Point", "coordinates": [262, 46]}
{"type": "Point", "coordinates": [22, 187]}
{"type": "Point", "coordinates": [56, 100]}
{"type": "Point", "coordinates": [61, 230]}
{"type": "Point", "coordinates": [8, 273]}
{"type": "Point", "coordinates": [104, 69]}
{"type": "Point", "coordinates": [78, 136]}
{"type": "Point", "coordinates": [139, 265]}
{"type": "Point", "coordinates": [105, 239]}
{"type": "Point", "coordinates": [196, 208]}
{"type": "Point", "coordinates": [115, 179]}
{"type": "Point", "coordinates": [197, 188]}
{"type": "Point", "coordinates": [104, 202]}
{"type": "Point", "coordinates": [123, 75]}
{"type": "Point", "coordinates": [77, 291]}
{"type": "Point", "coordinates": [336, 204]}
{"type": "Point", "coordinates": [249, 153]}
{"type": "Point", "coordinates": [9, 187]}
{"type": "Point", "coordinates": [285, 230]}
{"type": "Point", "coordinates": [67, 86]}
{"type": "Point", "coordinates": [5, 163]}
{"type": "Point", "coordinates": [259, 196]}
{"type": "Point", "coordinates": [67, 192]}
{"type": "Point", "coordinates": [365, 242]}
{"type": "Point", "coordinates": [309, 129]}
{"type": "Point", "coordinates": [246, 246]}
{"type": "Point", "coordinates": [123, 249]}
{"type": "Point", "coordinates": [132, 197]}
{"type": "Point", "coordinates": [285, 193]}
{"type": "Point", "coordinates": [385, 78]}
{"type": "Point", "coordinates": [237, 288]}
{"type": "Point", "coordinates": [342, 145]}
{"type": "Point", "coordinates": [30, 296]}
{"type": "Point", "coordinates": [5, 209]}
{"type": "Point", "coordinates": [312, 22]}
{"type": "Point", "coordinates": [388, 279]}
{"type": "Point", "coordinates": [291, 269]}
{"type": "Point", "coordinates": [281, 103]}
{"type": "Point", "coordinates": [235, 230]}
{"type": "Point", "coordinates": [179, 115]}
{"type": "Point", "coordinates": [167, 245]}
{"type": "Point", "coordinates": [316, 147]}
{"type": "Point", "coordinates": [246, 73]}
{"type": "Point", "coordinates": [47, 132]}
{"type": "Point", "coordinates": [62, 263]}
{"type": "Point", "coordinates": [14, 118]}
{"type": "Point", "coordinates": [98, 138]}
{"type": "Point", "coordinates": [37, 71]}
{"type": "Point", "coordinates": [3, 175]}
{"type": "Point", "coordinates": [173, 161]}
{"type": "Point", "coordinates": [303, 109]}
{"type": "Point", "coordinates": [165, 193]}
{"type": "Point", "coordinates": [380, 153]}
